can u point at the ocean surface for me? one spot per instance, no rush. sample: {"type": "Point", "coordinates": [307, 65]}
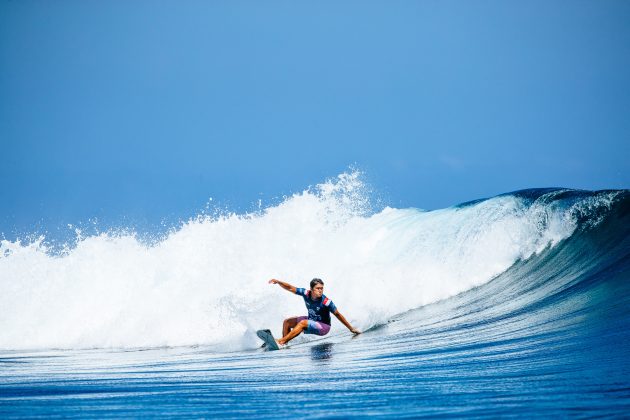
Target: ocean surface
{"type": "Point", "coordinates": [516, 305]}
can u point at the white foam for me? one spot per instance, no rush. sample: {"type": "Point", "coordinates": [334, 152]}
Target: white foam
{"type": "Point", "coordinates": [206, 283]}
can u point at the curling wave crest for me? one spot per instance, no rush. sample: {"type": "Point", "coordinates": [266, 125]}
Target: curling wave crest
{"type": "Point", "coordinates": [205, 283]}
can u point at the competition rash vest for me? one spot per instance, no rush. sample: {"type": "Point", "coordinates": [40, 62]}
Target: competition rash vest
{"type": "Point", "coordinates": [318, 310]}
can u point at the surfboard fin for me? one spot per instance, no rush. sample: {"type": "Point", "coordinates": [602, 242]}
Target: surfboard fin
{"type": "Point", "coordinates": [269, 341]}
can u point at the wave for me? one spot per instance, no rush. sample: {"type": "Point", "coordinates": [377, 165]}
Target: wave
{"type": "Point", "coordinates": [205, 283]}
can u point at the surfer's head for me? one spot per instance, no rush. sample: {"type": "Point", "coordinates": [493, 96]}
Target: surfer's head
{"type": "Point", "coordinates": [317, 288]}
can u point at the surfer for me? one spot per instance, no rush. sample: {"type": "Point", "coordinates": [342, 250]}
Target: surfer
{"type": "Point", "coordinates": [319, 309]}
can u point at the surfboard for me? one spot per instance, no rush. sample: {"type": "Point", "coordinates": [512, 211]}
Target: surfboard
{"type": "Point", "coordinates": [267, 337]}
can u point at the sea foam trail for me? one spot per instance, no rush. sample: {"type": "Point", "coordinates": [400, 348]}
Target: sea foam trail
{"type": "Point", "coordinates": [206, 283]}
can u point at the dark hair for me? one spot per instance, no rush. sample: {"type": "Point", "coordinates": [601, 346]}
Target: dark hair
{"type": "Point", "coordinates": [316, 281]}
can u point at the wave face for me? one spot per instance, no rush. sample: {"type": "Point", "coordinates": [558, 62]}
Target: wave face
{"type": "Point", "coordinates": [515, 305]}
{"type": "Point", "coordinates": [205, 283]}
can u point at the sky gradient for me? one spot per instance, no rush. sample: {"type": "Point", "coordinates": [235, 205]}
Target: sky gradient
{"type": "Point", "coordinates": [139, 111]}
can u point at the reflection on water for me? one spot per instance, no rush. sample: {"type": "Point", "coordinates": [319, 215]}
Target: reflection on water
{"type": "Point", "coordinates": [322, 351]}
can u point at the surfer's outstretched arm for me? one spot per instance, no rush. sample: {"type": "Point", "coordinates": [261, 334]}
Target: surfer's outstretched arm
{"type": "Point", "coordinates": [345, 322]}
{"type": "Point", "coordinates": [285, 286]}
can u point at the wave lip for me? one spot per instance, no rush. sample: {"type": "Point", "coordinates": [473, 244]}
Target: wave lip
{"type": "Point", "coordinates": [206, 282]}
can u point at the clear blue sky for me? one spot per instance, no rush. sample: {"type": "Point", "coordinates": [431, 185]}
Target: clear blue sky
{"type": "Point", "coordinates": [136, 111]}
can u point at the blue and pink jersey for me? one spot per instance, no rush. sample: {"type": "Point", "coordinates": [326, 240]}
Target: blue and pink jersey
{"type": "Point", "coordinates": [318, 310]}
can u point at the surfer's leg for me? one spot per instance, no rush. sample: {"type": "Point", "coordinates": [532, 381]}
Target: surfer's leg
{"type": "Point", "coordinates": [288, 325]}
{"type": "Point", "coordinates": [300, 326]}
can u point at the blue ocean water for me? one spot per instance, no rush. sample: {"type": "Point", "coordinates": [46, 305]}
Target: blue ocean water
{"type": "Point", "coordinates": [514, 306]}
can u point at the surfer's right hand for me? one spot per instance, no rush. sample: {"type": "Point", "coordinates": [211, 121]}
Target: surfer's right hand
{"type": "Point", "coordinates": [273, 281]}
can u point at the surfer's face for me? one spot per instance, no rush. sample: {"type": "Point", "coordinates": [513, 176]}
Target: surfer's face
{"type": "Point", "coordinates": [317, 291]}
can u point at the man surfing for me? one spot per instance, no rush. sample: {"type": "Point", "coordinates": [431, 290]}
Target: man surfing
{"type": "Point", "coordinates": [319, 309]}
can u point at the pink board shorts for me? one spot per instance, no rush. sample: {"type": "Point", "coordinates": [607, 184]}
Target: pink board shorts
{"type": "Point", "coordinates": [314, 327]}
